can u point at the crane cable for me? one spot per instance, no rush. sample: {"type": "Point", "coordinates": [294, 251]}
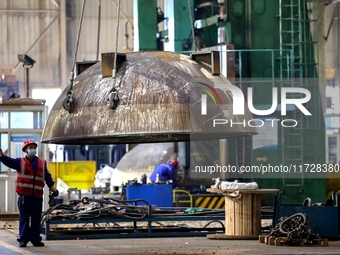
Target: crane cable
{"type": "Point", "coordinates": [69, 101]}
{"type": "Point", "coordinates": [116, 45]}
{"type": "Point", "coordinates": [113, 96]}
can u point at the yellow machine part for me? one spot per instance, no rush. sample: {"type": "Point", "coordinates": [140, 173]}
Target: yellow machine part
{"type": "Point", "coordinates": [333, 183]}
{"type": "Point", "coordinates": [76, 174]}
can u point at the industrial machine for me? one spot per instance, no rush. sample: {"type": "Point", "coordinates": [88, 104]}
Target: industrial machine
{"type": "Point", "coordinates": [149, 99]}
{"type": "Point", "coordinates": [261, 49]}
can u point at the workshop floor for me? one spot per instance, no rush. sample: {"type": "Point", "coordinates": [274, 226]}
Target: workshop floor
{"type": "Point", "coordinates": [146, 246]}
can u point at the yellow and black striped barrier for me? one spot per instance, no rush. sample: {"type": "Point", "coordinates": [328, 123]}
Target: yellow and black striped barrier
{"type": "Point", "coordinates": [182, 198]}
{"type": "Point", "coordinates": [209, 201]}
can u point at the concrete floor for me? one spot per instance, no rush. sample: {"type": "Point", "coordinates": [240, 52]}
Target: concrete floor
{"type": "Point", "coordinates": [148, 246]}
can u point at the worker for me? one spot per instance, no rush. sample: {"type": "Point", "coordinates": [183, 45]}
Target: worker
{"type": "Point", "coordinates": [165, 172]}
{"type": "Point", "coordinates": [32, 173]}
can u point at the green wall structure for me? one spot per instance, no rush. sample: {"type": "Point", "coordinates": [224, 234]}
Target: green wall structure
{"type": "Point", "coordinates": [145, 25]}
{"type": "Point", "coordinates": [275, 47]}
{"type": "Point", "coordinates": [287, 26]}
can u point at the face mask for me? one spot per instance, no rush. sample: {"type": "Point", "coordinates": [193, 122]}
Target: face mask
{"type": "Point", "coordinates": [31, 153]}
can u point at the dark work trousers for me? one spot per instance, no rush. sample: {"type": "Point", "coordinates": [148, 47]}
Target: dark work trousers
{"type": "Point", "coordinates": [29, 207]}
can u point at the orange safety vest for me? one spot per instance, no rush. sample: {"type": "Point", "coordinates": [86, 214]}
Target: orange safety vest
{"type": "Point", "coordinates": [29, 183]}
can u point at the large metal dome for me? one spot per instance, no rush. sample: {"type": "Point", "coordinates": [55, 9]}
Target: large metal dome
{"type": "Point", "coordinates": [157, 96]}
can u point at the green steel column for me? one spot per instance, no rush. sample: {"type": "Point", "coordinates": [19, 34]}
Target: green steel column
{"type": "Point", "coordinates": [179, 26]}
{"type": "Point", "coordinates": [145, 25]}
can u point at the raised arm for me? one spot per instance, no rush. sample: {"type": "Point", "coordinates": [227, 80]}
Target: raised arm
{"type": "Point", "coordinates": [13, 163]}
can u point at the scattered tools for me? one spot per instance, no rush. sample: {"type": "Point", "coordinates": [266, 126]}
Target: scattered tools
{"type": "Point", "coordinates": [106, 208]}
{"type": "Point", "coordinates": [294, 228]}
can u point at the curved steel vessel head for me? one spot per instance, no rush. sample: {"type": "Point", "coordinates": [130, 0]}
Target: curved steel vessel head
{"type": "Point", "coordinates": [160, 101]}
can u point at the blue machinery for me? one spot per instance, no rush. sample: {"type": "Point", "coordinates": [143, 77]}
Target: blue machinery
{"type": "Point", "coordinates": [323, 219]}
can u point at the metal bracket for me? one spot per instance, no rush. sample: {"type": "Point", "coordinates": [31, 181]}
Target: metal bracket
{"type": "Point", "coordinates": [211, 57]}
{"type": "Point", "coordinates": [107, 62]}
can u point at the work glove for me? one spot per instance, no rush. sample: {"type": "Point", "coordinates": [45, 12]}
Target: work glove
{"type": "Point", "coordinates": [54, 191]}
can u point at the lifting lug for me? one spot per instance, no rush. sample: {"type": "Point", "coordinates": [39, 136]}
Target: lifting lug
{"type": "Point", "coordinates": [69, 102]}
{"type": "Point", "coordinates": [113, 99]}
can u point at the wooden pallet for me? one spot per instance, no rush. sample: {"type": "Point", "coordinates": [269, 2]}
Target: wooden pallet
{"type": "Point", "coordinates": [281, 241]}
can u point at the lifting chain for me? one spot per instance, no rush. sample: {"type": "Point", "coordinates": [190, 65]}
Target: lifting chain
{"type": "Point", "coordinates": [294, 228]}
